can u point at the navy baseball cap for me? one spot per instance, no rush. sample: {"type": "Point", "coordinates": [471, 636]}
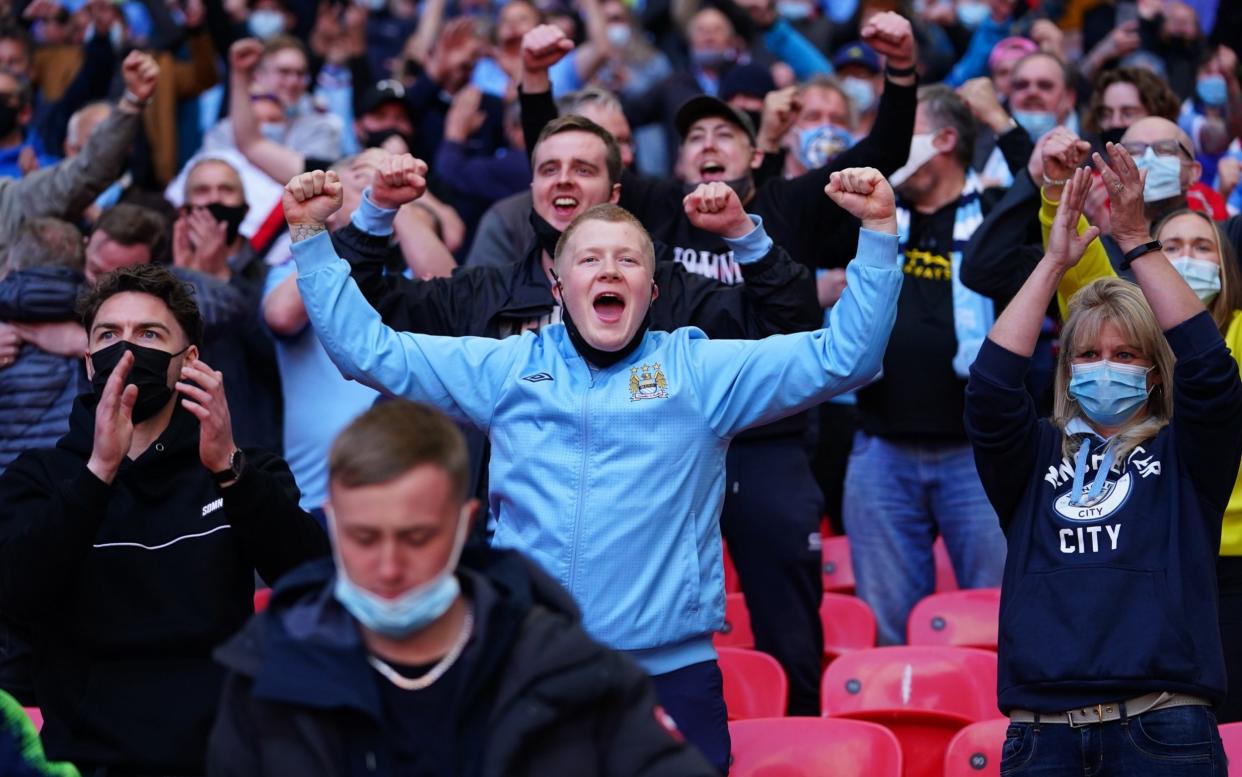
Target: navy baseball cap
{"type": "Point", "coordinates": [857, 53]}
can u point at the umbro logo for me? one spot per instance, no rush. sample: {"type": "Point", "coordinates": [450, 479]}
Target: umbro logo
{"type": "Point", "coordinates": [538, 377]}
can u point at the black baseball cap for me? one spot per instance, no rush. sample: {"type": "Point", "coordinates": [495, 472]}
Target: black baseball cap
{"type": "Point", "coordinates": [705, 105]}
{"type": "Point", "coordinates": [386, 91]}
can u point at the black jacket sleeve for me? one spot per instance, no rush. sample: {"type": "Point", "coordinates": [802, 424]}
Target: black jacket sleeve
{"type": "Point", "coordinates": [538, 110]}
{"type": "Point", "coordinates": [48, 523]}
{"type": "Point", "coordinates": [262, 507]}
{"type": "Point", "coordinates": [1016, 146]}
{"type": "Point", "coordinates": [439, 306]}
{"type": "Point", "coordinates": [778, 297]}
{"type": "Point", "coordinates": [800, 216]}
{"type": "Point", "coordinates": [1207, 407]}
{"type": "Point", "coordinates": [999, 257]}
{"type": "Point", "coordinates": [1002, 426]}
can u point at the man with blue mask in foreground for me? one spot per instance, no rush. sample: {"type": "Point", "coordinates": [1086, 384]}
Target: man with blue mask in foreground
{"type": "Point", "coordinates": [405, 661]}
{"type": "Point", "coordinates": [612, 409]}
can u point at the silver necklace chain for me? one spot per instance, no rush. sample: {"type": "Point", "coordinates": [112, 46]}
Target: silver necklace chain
{"type": "Point", "coordinates": [437, 671]}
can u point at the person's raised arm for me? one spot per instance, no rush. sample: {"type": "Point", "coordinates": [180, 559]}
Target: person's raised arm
{"type": "Point", "coordinates": [542, 48]}
{"type": "Point", "coordinates": [1170, 298]}
{"type": "Point", "coordinates": [464, 377]}
{"type": "Point", "coordinates": [429, 23]}
{"type": "Point", "coordinates": [1017, 328]}
{"type": "Point", "coordinates": [596, 50]}
{"type": "Point", "coordinates": [280, 162]}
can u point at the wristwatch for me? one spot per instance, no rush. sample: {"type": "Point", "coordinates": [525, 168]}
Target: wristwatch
{"type": "Point", "coordinates": [237, 463]}
{"type": "Point", "coordinates": [1136, 252]}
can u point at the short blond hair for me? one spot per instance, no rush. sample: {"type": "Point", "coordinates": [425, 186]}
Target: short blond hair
{"type": "Point", "coordinates": [1122, 303]}
{"type": "Point", "coordinates": [612, 214]}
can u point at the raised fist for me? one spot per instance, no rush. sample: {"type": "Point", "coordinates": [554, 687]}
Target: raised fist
{"type": "Point", "coordinates": [310, 198]}
{"type": "Point", "coordinates": [244, 56]}
{"type": "Point", "coordinates": [714, 207]}
{"type": "Point", "coordinates": [892, 37]}
{"type": "Point", "coordinates": [140, 73]}
{"type": "Point", "coordinates": [544, 46]}
{"type": "Point", "coordinates": [866, 195]}
{"type": "Point", "coordinates": [979, 94]}
{"type": "Point", "coordinates": [780, 113]}
{"type": "Point", "coordinates": [1062, 151]}
{"type": "Point", "coordinates": [399, 179]}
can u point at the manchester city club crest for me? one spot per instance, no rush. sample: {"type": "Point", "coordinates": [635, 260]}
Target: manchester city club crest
{"type": "Point", "coordinates": [647, 382]}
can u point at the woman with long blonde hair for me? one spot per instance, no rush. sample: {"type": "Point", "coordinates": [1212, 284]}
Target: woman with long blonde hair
{"type": "Point", "coordinates": [1109, 650]}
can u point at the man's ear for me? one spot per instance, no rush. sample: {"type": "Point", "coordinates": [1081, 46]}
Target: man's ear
{"type": "Point", "coordinates": [472, 513]}
{"type": "Point", "coordinates": [191, 353]}
{"type": "Point", "coordinates": [556, 289]}
{"type": "Point", "coordinates": [756, 159]}
{"type": "Point", "coordinates": [945, 140]}
{"type": "Point", "coordinates": [615, 197]}
{"type": "Point", "coordinates": [655, 291]}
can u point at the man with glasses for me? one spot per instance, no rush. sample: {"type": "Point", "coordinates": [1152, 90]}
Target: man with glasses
{"type": "Point", "coordinates": [284, 72]}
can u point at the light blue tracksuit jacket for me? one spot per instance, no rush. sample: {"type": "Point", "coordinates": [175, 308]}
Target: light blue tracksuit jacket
{"type": "Point", "coordinates": [613, 479]}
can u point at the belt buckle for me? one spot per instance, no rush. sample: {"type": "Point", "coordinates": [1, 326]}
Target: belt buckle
{"type": "Point", "coordinates": [1084, 719]}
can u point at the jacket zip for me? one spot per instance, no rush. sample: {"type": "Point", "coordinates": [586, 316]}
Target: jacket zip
{"type": "Point", "coordinates": [582, 474]}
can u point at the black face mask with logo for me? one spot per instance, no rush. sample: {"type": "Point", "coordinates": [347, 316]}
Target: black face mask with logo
{"type": "Point", "coordinates": [149, 373]}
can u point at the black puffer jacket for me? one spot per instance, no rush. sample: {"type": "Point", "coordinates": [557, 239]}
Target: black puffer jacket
{"type": "Point", "coordinates": [541, 697]}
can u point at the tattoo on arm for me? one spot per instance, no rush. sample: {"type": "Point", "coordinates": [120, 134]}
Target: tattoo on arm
{"type": "Point", "coordinates": [301, 232]}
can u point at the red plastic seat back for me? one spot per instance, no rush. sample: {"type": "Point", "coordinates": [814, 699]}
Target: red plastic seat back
{"type": "Point", "coordinates": [732, 583]}
{"type": "Point", "coordinates": [754, 684]}
{"type": "Point", "coordinates": [261, 598]}
{"type": "Point", "coordinates": [811, 747]}
{"type": "Point", "coordinates": [736, 631]}
{"type": "Point", "coordinates": [952, 682]}
{"type": "Point", "coordinates": [1231, 736]}
{"type": "Point", "coordinates": [946, 578]}
{"type": "Point", "coordinates": [848, 624]}
{"type": "Point", "coordinates": [966, 618]}
{"type": "Point", "coordinates": [976, 750]}
{"type": "Point", "coordinates": [838, 568]}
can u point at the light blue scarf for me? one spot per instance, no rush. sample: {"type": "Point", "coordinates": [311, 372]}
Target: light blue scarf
{"type": "Point", "coordinates": [973, 313]}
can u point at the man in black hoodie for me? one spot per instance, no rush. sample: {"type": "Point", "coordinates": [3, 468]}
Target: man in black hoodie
{"type": "Point", "coordinates": [402, 661]}
{"type": "Point", "coordinates": [127, 552]}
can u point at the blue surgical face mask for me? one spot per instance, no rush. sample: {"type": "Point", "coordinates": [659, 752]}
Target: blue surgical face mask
{"type": "Point", "coordinates": [1212, 90]}
{"type": "Point", "coordinates": [1036, 123]}
{"type": "Point", "coordinates": [793, 10]}
{"type": "Point", "coordinates": [1202, 276]}
{"type": "Point", "coordinates": [1164, 176]}
{"type": "Point", "coordinates": [266, 24]}
{"type": "Point", "coordinates": [713, 58]}
{"type": "Point", "coordinates": [1109, 393]}
{"type": "Point", "coordinates": [971, 14]}
{"type": "Point", "coordinates": [618, 34]}
{"type": "Point", "coordinates": [817, 146]}
{"type": "Point", "coordinates": [414, 609]}
{"type": "Point", "coordinates": [860, 91]}
{"type": "Point", "coordinates": [273, 131]}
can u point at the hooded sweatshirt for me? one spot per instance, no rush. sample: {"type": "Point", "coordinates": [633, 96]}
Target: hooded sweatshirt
{"type": "Point", "coordinates": [1106, 601]}
{"type": "Point", "coordinates": [124, 589]}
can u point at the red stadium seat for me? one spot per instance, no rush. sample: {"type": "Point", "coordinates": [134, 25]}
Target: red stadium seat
{"type": "Point", "coordinates": [736, 631]}
{"type": "Point", "coordinates": [35, 715]}
{"type": "Point", "coordinates": [925, 695]}
{"type": "Point", "coordinates": [261, 598]}
{"type": "Point", "coordinates": [965, 618]}
{"type": "Point", "coordinates": [838, 569]}
{"type": "Point", "coordinates": [1231, 735]}
{"type": "Point", "coordinates": [848, 624]}
{"type": "Point", "coordinates": [976, 750]}
{"type": "Point", "coordinates": [754, 684]}
{"type": "Point", "coordinates": [732, 584]}
{"type": "Point", "coordinates": [811, 747]}
{"type": "Point", "coordinates": [946, 579]}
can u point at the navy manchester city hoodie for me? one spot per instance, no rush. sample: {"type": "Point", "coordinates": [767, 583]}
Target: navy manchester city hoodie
{"type": "Point", "coordinates": [1115, 600]}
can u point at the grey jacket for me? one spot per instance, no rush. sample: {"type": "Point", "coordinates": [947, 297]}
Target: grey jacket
{"type": "Point", "coordinates": [65, 189]}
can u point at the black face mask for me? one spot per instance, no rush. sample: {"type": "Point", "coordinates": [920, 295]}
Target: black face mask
{"type": "Point", "coordinates": [547, 235]}
{"type": "Point", "coordinates": [377, 138]}
{"type": "Point", "coordinates": [233, 215]}
{"type": "Point", "coordinates": [149, 373]}
{"type": "Point", "coordinates": [8, 118]}
{"type": "Point", "coordinates": [1111, 136]}
{"type": "Point", "coordinates": [591, 353]}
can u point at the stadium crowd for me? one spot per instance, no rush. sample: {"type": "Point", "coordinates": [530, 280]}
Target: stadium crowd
{"type": "Point", "coordinates": [487, 333]}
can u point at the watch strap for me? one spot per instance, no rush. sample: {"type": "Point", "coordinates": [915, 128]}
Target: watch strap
{"type": "Point", "coordinates": [237, 462]}
{"type": "Point", "coordinates": [1137, 251]}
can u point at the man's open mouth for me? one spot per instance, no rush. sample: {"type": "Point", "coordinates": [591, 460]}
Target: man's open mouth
{"type": "Point", "coordinates": [712, 171]}
{"type": "Point", "coordinates": [564, 205]}
{"type": "Point", "coordinates": [608, 307]}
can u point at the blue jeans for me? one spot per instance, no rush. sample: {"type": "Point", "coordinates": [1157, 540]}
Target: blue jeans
{"type": "Point", "coordinates": [898, 498]}
{"type": "Point", "coordinates": [1174, 742]}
